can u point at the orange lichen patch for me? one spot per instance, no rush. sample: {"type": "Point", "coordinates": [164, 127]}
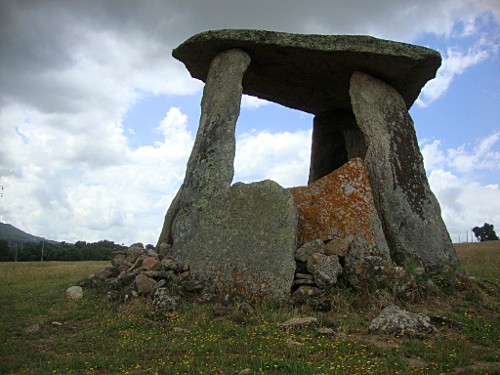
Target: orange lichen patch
{"type": "Point", "coordinates": [340, 205]}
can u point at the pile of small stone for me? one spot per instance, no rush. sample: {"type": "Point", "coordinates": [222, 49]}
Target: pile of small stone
{"type": "Point", "coordinates": [315, 269]}
{"type": "Point", "coordinates": [142, 271]}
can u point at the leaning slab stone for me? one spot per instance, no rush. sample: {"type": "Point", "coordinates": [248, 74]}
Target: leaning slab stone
{"type": "Point", "coordinates": [340, 206]}
{"type": "Point", "coordinates": [246, 238]}
{"type": "Point", "coordinates": [409, 211]}
{"type": "Point", "coordinates": [210, 167]}
{"type": "Point", "coordinates": [311, 72]}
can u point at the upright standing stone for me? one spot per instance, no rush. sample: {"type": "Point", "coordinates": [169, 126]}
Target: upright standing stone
{"type": "Point", "coordinates": [410, 213]}
{"type": "Point", "coordinates": [210, 167]}
{"type": "Point", "coordinates": [246, 240]}
{"type": "Point", "coordinates": [336, 139]}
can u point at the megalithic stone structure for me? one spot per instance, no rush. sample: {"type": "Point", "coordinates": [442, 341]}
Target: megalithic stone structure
{"type": "Point", "coordinates": [360, 89]}
{"type": "Point", "coordinates": [409, 210]}
{"type": "Point", "coordinates": [210, 167]}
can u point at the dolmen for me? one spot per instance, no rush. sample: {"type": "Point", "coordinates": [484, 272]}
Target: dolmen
{"type": "Point", "coordinates": [367, 209]}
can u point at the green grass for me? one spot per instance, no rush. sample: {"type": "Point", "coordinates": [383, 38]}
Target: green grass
{"type": "Point", "coordinates": [95, 339]}
{"type": "Point", "coordinates": [481, 259]}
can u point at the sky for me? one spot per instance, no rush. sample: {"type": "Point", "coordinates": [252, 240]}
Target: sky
{"type": "Point", "coordinates": [97, 119]}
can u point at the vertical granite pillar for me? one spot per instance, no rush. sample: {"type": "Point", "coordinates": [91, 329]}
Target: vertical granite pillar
{"type": "Point", "coordinates": [409, 211]}
{"type": "Point", "coordinates": [335, 140]}
{"type": "Point", "coordinates": [210, 167]}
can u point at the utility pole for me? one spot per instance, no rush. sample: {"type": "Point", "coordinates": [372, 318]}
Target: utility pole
{"type": "Point", "coordinates": [43, 243]}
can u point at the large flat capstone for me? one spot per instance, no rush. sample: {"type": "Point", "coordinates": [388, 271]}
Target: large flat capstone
{"type": "Point", "coordinates": [312, 72]}
{"type": "Point", "coordinates": [246, 240]}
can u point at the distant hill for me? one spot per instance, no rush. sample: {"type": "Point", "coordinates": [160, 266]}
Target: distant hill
{"type": "Point", "coordinates": [14, 235]}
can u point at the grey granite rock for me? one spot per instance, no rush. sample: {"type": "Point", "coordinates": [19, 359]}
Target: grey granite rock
{"type": "Point", "coordinates": [311, 72]}
{"type": "Point", "coordinates": [246, 239]}
{"type": "Point", "coordinates": [409, 211]}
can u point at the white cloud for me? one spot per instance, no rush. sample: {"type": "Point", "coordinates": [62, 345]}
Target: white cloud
{"type": "Point", "coordinates": [282, 157]}
{"type": "Point", "coordinates": [70, 71]}
{"type": "Point", "coordinates": [455, 62]}
{"type": "Point", "coordinates": [464, 201]}
{"type": "Point", "coordinates": [482, 157]}
{"type": "Point", "coordinates": [252, 102]}
{"type": "Point", "coordinates": [88, 201]}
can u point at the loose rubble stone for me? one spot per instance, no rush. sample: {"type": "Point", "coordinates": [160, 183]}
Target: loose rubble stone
{"type": "Point", "coordinates": [325, 269]}
{"type": "Point", "coordinates": [307, 291]}
{"type": "Point", "coordinates": [107, 273]}
{"type": "Point", "coordinates": [163, 302]}
{"type": "Point", "coordinates": [395, 321]}
{"type": "Point", "coordinates": [118, 257]}
{"type": "Point", "coordinates": [151, 264]}
{"type": "Point", "coordinates": [309, 321]}
{"type": "Point", "coordinates": [133, 253]}
{"type": "Point", "coordinates": [325, 331]}
{"type": "Point", "coordinates": [308, 249]}
{"type": "Point", "coordinates": [74, 292]}
{"type": "Point", "coordinates": [33, 328]}
{"type": "Point", "coordinates": [144, 284]}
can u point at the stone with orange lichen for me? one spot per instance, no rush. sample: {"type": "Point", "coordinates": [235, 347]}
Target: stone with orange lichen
{"type": "Point", "coordinates": [339, 207]}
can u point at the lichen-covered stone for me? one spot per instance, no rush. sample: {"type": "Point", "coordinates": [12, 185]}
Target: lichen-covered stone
{"type": "Point", "coordinates": [325, 269]}
{"type": "Point", "coordinates": [396, 321]}
{"type": "Point", "coordinates": [246, 239]}
{"type": "Point", "coordinates": [340, 206]}
{"type": "Point", "coordinates": [144, 283]}
{"type": "Point", "coordinates": [409, 211]}
{"type": "Point", "coordinates": [311, 72]}
{"type": "Point", "coordinates": [308, 249]}
{"type": "Point", "coordinates": [74, 292]}
{"type": "Point", "coordinates": [210, 167]}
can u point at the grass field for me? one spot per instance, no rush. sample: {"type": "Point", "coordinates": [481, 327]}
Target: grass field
{"type": "Point", "coordinates": [99, 337]}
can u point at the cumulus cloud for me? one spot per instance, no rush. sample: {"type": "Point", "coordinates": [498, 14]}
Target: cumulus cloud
{"type": "Point", "coordinates": [252, 102]}
{"type": "Point", "coordinates": [465, 202]}
{"type": "Point", "coordinates": [455, 62]}
{"type": "Point", "coordinates": [70, 71]}
{"type": "Point", "coordinates": [483, 156]}
{"type": "Point", "coordinates": [283, 157]}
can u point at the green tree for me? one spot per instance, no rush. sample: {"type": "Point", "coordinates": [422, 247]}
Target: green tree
{"type": "Point", "coordinates": [485, 233]}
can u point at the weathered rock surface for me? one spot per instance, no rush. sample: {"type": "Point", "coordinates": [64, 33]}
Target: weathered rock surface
{"type": "Point", "coordinates": [247, 237]}
{"type": "Point", "coordinates": [308, 321]}
{"type": "Point", "coordinates": [210, 167]}
{"type": "Point", "coordinates": [144, 283]}
{"type": "Point", "coordinates": [325, 269]}
{"type": "Point", "coordinates": [340, 206]}
{"type": "Point", "coordinates": [409, 211]}
{"type": "Point", "coordinates": [74, 292]}
{"type": "Point", "coordinates": [395, 321]}
{"type": "Point", "coordinates": [309, 248]}
{"type": "Point", "coordinates": [311, 72]}
{"type": "Point", "coordinates": [164, 302]}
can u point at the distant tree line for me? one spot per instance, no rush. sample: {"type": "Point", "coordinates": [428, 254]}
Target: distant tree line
{"type": "Point", "coordinates": [57, 251]}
